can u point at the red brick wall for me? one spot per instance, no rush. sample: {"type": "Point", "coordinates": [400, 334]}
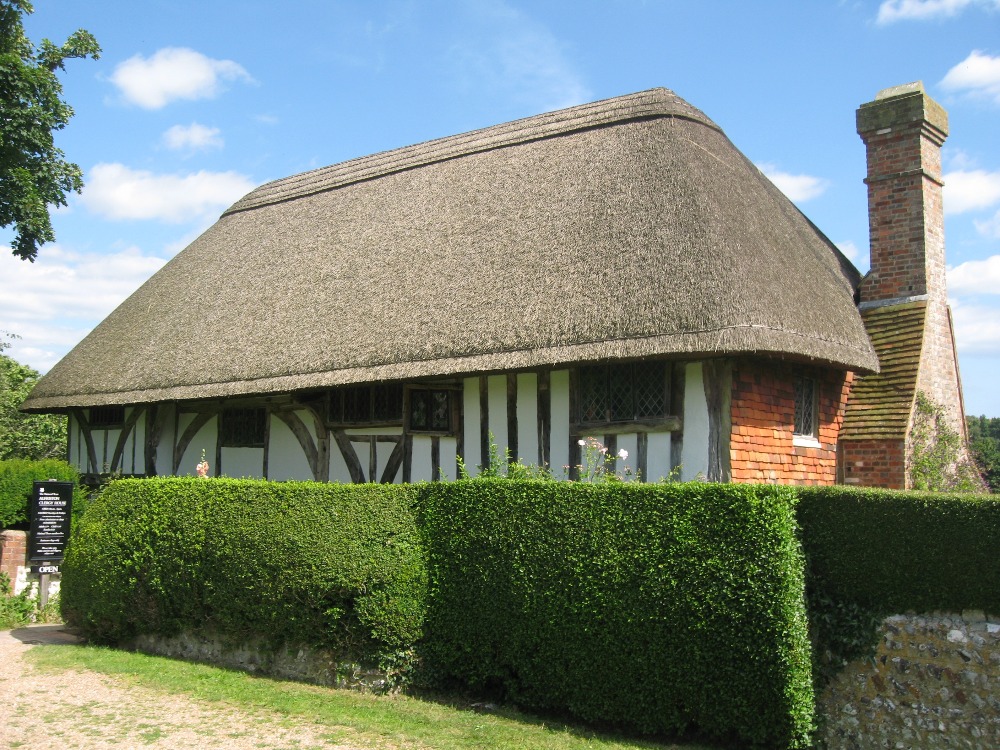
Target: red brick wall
{"type": "Point", "coordinates": [763, 418]}
{"type": "Point", "coordinates": [13, 552]}
{"type": "Point", "coordinates": [874, 463]}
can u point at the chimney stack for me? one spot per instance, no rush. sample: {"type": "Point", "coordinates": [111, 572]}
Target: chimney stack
{"type": "Point", "coordinates": [903, 130]}
{"type": "Point", "coordinates": [903, 298]}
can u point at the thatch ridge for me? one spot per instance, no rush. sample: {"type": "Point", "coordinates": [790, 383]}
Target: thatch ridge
{"type": "Point", "coordinates": [597, 232]}
{"type": "Point", "coordinates": [657, 102]}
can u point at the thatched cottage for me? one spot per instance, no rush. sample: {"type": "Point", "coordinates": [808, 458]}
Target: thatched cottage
{"type": "Point", "coordinates": [617, 270]}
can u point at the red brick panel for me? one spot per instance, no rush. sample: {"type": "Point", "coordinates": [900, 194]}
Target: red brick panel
{"type": "Point", "coordinates": [763, 417]}
{"type": "Point", "coordinates": [874, 463]}
{"type": "Point", "coordinates": [13, 552]}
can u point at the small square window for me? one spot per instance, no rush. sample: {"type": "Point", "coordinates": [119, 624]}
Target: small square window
{"type": "Point", "coordinates": [103, 417]}
{"type": "Point", "coordinates": [430, 411]}
{"type": "Point", "coordinates": [805, 408]}
{"type": "Point", "coordinates": [243, 428]}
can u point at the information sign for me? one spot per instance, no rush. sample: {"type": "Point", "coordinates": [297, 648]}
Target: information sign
{"type": "Point", "coordinates": [51, 503]}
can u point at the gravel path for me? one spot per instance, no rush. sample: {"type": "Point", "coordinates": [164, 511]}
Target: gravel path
{"type": "Point", "coordinates": [85, 710]}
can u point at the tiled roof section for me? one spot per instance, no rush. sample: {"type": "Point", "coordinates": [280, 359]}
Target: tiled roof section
{"type": "Point", "coordinates": [879, 405]}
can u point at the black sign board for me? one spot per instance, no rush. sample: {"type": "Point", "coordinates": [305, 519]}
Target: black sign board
{"type": "Point", "coordinates": [50, 508]}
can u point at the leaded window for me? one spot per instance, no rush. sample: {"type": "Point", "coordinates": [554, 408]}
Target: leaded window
{"type": "Point", "coordinates": [243, 428]}
{"type": "Point", "coordinates": [367, 404]}
{"type": "Point", "coordinates": [430, 410]}
{"type": "Point", "coordinates": [624, 392]}
{"type": "Point", "coordinates": [103, 417]}
{"type": "Point", "coordinates": [805, 407]}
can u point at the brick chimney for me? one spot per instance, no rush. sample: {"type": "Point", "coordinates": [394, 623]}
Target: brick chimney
{"type": "Point", "coordinates": [903, 130]}
{"type": "Point", "coordinates": [903, 298]}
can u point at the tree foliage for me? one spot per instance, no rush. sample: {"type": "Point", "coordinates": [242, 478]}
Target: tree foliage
{"type": "Point", "coordinates": [29, 436]}
{"type": "Point", "coordinates": [34, 174]}
{"type": "Point", "coordinates": [984, 442]}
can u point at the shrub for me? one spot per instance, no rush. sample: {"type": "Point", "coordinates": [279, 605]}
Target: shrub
{"type": "Point", "coordinates": [872, 552]}
{"type": "Point", "coordinates": [657, 607]}
{"type": "Point", "coordinates": [290, 563]}
{"type": "Point", "coordinates": [16, 480]}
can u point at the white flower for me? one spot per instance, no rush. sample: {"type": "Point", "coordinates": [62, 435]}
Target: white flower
{"type": "Point", "coordinates": [623, 454]}
{"type": "Point", "coordinates": [581, 442]}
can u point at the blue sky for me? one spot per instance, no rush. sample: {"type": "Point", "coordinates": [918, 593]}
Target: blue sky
{"type": "Point", "coordinates": [192, 104]}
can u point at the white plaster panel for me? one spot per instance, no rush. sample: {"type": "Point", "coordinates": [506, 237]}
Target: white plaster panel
{"type": "Point", "coordinates": [657, 456]}
{"type": "Point", "coordinates": [449, 453]}
{"type": "Point", "coordinates": [498, 410]}
{"type": "Point", "coordinates": [527, 418]}
{"type": "Point", "coordinates": [470, 424]}
{"type": "Point", "coordinates": [165, 448]}
{"type": "Point", "coordinates": [363, 452]}
{"type": "Point", "coordinates": [694, 451]}
{"type": "Point", "coordinates": [105, 442]}
{"type": "Point", "coordinates": [397, 430]}
{"type": "Point", "coordinates": [420, 468]}
{"type": "Point", "coordinates": [136, 452]}
{"type": "Point", "coordinates": [559, 404]}
{"type": "Point", "coordinates": [206, 439]}
{"type": "Point", "coordinates": [628, 441]}
{"type": "Point", "coordinates": [242, 463]}
{"type": "Point", "coordinates": [285, 457]}
{"type": "Point", "coordinates": [338, 467]}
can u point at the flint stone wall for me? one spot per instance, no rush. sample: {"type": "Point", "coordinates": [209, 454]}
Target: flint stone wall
{"type": "Point", "coordinates": [305, 664]}
{"type": "Point", "coordinates": [934, 683]}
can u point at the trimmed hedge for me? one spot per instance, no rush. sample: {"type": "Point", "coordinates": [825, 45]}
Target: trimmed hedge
{"type": "Point", "coordinates": [327, 565]}
{"type": "Point", "coordinates": [657, 607]}
{"type": "Point", "coordinates": [654, 607]}
{"type": "Point", "coordinates": [16, 479]}
{"type": "Point", "coordinates": [896, 551]}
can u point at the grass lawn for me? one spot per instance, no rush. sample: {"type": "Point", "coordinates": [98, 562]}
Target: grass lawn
{"type": "Point", "coordinates": [361, 719]}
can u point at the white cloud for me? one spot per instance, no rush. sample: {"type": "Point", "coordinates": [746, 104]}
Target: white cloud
{"type": "Point", "coordinates": [975, 277]}
{"type": "Point", "coordinates": [192, 137]}
{"type": "Point", "coordinates": [891, 11]}
{"type": "Point", "coordinates": [798, 187]}
{"type": "Point", "coordinates": [55, 301]}
{"type": "Point", "coordinates": [989, 227]}
{"type": "Point", "coordinates": [117, 192]}
{"type": "Point", "coordinates": [519, 57]}
{"type": "Point", "coordinates": [977, 328]}
{"type": "Point", "coordinates": [174, 73]}
{"type": "Point", "coordinates": [970, 190]}
{"type": "Point", "coordinates": [977, 75]}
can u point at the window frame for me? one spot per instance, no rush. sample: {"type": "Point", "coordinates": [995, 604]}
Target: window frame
{"type": "Point", "coordinates": [336, 406]}
{"type": "Point", "coordinates": [805, 435]}
{"type": "Point", "coordinates": [611, 370]}
{"type": "Point", "coordinates": [226, 440]}
{"type": "Point", "coordinates": [110, 417]}
{"type": "Point", "coordinates": [451, 396]}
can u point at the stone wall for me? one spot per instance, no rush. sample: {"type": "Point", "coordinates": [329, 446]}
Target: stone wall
{"type": "Point", "coordinates": [934, 683]}
{"type": "Point", "coordinates": [303, 664]}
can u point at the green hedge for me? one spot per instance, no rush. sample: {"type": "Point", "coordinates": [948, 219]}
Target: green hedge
{"type": "Point", "coordinates": [871, 553]}
{"type": "Point", "coordinates": [16, 479]}
{"type": "Point", "coordinates": [299, 562]}
{"type": "Point", "coordinates": [657, 607]}
{"type": "Point", "coordinates": [903, 551]}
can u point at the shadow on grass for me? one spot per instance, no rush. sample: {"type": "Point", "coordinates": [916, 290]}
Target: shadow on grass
{"type": "Point", "coordinates": [423, 717]}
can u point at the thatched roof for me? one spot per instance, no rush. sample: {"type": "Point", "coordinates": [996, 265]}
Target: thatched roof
{"type": "Point", "coordinates": [625, 228]}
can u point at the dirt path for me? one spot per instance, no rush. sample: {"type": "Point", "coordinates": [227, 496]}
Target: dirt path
{"type": "Point", "coordinates": [85, 710]}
